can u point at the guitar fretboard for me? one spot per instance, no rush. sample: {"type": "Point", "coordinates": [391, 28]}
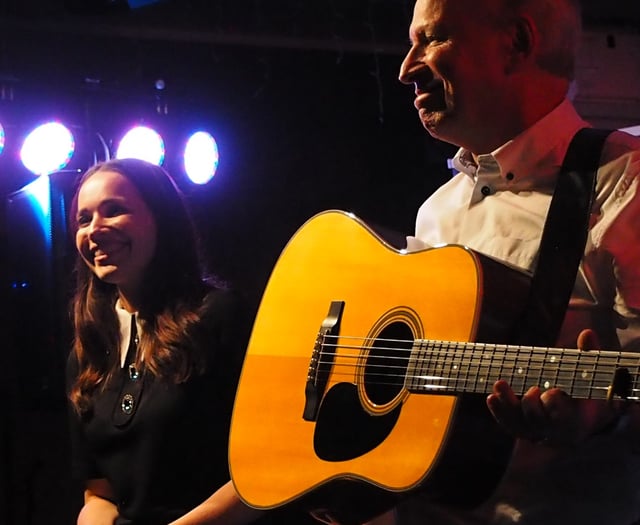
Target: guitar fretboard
{"type": "Point", "coordinates": [462, 367]}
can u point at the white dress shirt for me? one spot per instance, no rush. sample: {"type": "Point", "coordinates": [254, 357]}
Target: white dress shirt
{"type": "Point", "coordinates": [498, 207]}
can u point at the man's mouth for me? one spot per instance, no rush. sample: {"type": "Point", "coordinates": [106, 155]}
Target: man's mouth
{"type": "Point", "coordinates": [431, 86]}
{"type": "Point", "coordinates": [430, 100]}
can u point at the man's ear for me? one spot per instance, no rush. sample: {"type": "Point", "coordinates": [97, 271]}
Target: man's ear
{"type": "Point", "coordinates": [523, 41]}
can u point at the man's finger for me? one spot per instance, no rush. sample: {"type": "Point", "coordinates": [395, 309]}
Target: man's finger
{"type": "Point", "coordinates": [588, 340]}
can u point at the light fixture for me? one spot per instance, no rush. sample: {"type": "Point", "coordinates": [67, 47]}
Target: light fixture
{"type": "Point", "coordinates": [48, 148]}
{"type": "Point", "coordinates": [144, 143]}
{"type": "Point", "coordinates": [201, 157]}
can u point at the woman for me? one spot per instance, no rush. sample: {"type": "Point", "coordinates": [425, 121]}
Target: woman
{"type": "Point", "coordinates": [156, 355]}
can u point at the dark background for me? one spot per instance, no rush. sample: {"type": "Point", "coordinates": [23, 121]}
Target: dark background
{"type": "Point", "coordinates": [304, 102]}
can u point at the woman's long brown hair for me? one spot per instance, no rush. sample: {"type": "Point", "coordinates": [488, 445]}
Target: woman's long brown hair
{"type": "Point", "coordinates": [172, 298]}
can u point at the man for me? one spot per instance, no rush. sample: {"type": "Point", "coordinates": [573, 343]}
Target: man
{"type": "Point", "coordinates": [492, 77]}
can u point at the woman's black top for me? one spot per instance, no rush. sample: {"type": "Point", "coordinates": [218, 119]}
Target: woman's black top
{"type": "Point", "coordinates": [164, 449]}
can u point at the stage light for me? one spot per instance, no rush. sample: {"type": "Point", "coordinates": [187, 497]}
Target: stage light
{"type": "Point", "coordinates": [47, 149]}
{"type": "Point", "coordinates": [201, 157]}
{"type": "Point", "coordinates": [1, 139]}
{"type": "Point", "coordinates": [142, 143]}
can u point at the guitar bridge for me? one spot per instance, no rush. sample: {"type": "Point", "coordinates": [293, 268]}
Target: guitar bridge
{"type": "Point", "coordinates": [321, 362]}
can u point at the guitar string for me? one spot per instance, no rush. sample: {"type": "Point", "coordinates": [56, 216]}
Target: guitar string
{"type": "Point", "coordinates": [481, 384]}
{"type": "Point", "coordinates": [462, 349]}
{"type": "Point", "coordinates": [484, 346]}
{"type": "Point", "coordinates": [536, 362]}
{"type": "Point", "coordinates": [512, 356]}
{"type": "Point", "coordinates": [523, 369]}
{"type": "Point", "coordinates": [381, 371]}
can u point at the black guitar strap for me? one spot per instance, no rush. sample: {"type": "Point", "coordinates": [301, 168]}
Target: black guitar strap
{"type": "Point", "coordinates": [563, 240]}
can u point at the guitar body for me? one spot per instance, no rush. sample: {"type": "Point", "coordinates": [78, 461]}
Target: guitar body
{"type": "Point", "coordinates": [369, 442]}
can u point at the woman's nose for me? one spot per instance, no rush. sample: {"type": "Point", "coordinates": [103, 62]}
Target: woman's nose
{"type": "Point", "coordinates": [96, 226]}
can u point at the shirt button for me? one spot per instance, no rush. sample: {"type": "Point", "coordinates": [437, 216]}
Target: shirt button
{"type": "Point", "coordinates": [485, 190]}
{"type": "Point", "coordinates": [510, 176]}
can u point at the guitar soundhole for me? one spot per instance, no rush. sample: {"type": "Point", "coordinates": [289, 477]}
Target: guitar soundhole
{"type": "Point", "coordinates": [387, 362]}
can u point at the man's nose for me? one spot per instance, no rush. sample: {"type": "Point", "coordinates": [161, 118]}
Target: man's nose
{"type": "Point", "coordinates": [409, 66]}
{"type": "Point", "coordinates": [415, 67]}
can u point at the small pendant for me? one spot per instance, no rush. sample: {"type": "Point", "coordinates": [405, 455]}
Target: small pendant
{"type": "Point", "coordinates": [133, 372]}
{"type": "Point", "coordinates": [127, 404]}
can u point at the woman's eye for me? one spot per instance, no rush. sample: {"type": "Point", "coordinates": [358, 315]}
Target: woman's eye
{"type": "Point", "coordinates": [83, 220]}
{"type": "Point", "coordinates": [113, 210]}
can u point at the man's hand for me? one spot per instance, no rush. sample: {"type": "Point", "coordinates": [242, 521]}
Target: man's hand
{"type": "Point", "coordinates": [550, 417]}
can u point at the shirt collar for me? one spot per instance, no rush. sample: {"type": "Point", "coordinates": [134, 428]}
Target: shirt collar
{"type": "Point", "coordinates": [125, 330]}
{"type": "Point", "coordinates": [537, 152]}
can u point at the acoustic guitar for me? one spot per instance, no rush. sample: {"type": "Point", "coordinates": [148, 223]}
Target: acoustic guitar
{"type": "Point", "coordinates": [367, 370]}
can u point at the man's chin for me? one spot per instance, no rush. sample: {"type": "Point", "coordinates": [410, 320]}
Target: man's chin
{"type": "Point", "coordinates": [433, 121]}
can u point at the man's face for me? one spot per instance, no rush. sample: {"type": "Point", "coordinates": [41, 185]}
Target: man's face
{"type": "Point", "coordinates": [457, 63]}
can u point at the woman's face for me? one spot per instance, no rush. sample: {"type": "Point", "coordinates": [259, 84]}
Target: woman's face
{"type": "Point", "coordinates": [116, 235]}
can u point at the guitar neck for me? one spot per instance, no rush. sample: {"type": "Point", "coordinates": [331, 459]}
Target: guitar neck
{"type": "Point", "coordinates": [460, 367]}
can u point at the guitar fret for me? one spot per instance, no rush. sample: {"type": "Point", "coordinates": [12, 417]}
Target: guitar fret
{"type": "Point", "coordinates": [503, 355]}
{"type": "Point", "coordinates": [573, 387]}
{"type": "Point", "coordinates": [459, 367]}
{"type": "Point", "coordinates": [474, 368]}
{"type": "Point", "coordinates": [536, 353]}
{"type": "Point", "coordinates": [565, 375]}
{"type": "Point", "coordinates": [416, 364]}
{"type": "Point", "coordinates": [469, 361]}
{"type": "Point", "coordinates": [486, 360]}
{"type": "Point", "coordinates": [552, 359]}
{"type": "Point", "coordinates": [471, 373]}
{"type": "Point", "coordinates": [477, 368]}
{"type": "Point", "coordinates": [464, 367]}
{"type": "Point", "coordinates": [594, 370]}
{"type": "Point", "coordinates": [437, 368]}
{"type": "Point", "coordinates": [520, 371]}
{"type": "Point", "coordinates": [584, 376]}
{"type": "Point", "coordinates": [454, 368]}
{"type": "Point", "coordinates": [510, 357]}
{"type": "Point", "coordinates": [592, 376]}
